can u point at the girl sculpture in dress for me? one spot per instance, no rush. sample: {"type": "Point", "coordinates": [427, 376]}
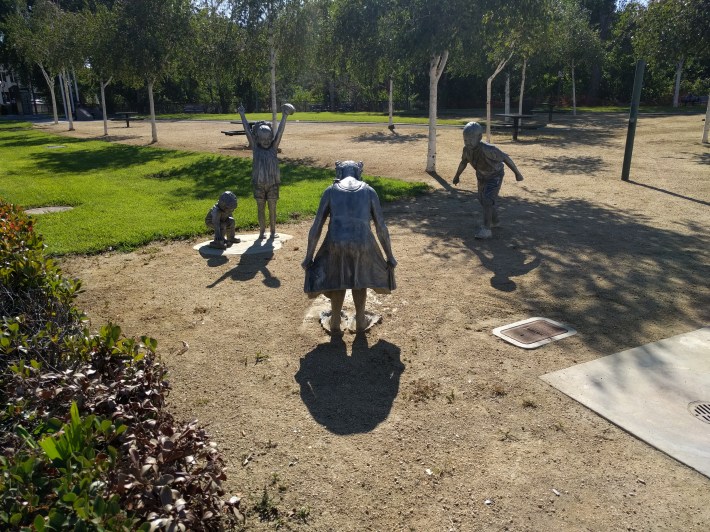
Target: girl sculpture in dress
{"type": "Point", "coordinates": [349, 257]}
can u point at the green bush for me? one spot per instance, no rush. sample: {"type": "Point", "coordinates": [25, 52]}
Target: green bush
{"type": "Point", "coordinates": [36, 302]}
{"type": "Point", "coordinates": [85, 441]}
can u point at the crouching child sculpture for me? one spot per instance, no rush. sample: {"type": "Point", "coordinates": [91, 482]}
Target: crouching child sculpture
{"type": "Point", "coordinates": [219, 218]}
{"type": "Point", "coordinates": [349, 257]}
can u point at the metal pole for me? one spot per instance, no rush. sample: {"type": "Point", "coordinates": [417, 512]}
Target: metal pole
{"type": "Point", "coordinates": [633, 115]}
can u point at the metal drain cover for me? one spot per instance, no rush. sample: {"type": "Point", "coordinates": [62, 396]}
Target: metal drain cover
{"type": "Point", "coordinates": [701, 410]}
{"type": "Point", "coordinates": [533, 332]}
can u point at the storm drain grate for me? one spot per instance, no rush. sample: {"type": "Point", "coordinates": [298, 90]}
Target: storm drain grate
{"type": "Point", "coordinates": [701, 410]}
{"type": "Point", "coordinates": [533, 332]}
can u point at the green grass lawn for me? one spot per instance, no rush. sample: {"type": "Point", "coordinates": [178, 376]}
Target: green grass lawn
{"type": "Point", "coordinates": [126, 196]}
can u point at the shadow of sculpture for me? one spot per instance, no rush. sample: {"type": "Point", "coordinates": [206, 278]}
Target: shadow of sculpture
{"type": "Point", "coordinates": [350, 394]}
{"type": "Point", "coordinates": [248, 267]}
{"type": "Point", "coordinates": [584, 263]}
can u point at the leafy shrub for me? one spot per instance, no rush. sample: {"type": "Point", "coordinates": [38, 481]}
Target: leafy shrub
{"type": "Point", "coordinates": [85, 441]}
{"type": "Point", "coordinates": [36, 302]}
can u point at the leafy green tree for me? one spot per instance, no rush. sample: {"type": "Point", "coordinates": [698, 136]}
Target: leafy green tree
{"type": "Point", "coordinates": [152, 36]}
{"type": "Point", "coordinates": [50, 37]}
{"type": "Point", "coordinates": [101, 58]}
{"type": "Point", "coordinates": [275, 27]}
{"type": "Point", "coordinates": [510, 27]}
{"type": "Point", "coordinates": [578, 43]}
{"type": "Point", "coordinates": [428, 32]}
{"type": "Point", "coordinates": [365, 42]}
{"type": "Point", "coordinates": [671, 32]}
{"type": "Point", "coordinates": [219, 57]}
{"type": "Point", "coordinates": [602, 16]}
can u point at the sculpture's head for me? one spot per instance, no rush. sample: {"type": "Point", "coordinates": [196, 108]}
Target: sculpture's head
{"type": "Point", "coordinates": [263, 134]}
{"type": "Point", "coordinates": [227, 201]}
{"type": "Point", "coordinates": [472, 134]}
{"type": "Point", "coordinates": [345, 169]}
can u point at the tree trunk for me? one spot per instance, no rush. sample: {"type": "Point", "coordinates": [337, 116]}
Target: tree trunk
{"type": "Point", "coordinates": [574, 94]}
{"type": "Point", "coordinates": [63, 94]}
{"type": "Point", "coordinates": [522, 85]}
{"type": "Point", "coordinates": [272, 67]}
{"type": "Point", "coordinates": [390, 103]}
{"type": "Point", "coordinates": [153, 125]}
{"type": "Point", "coordinates": [436, 68]}
{"type": "Point", "coordinates": [67, 97]}
{"type": "Point", "coordinates": [76, 88]}
{"type": "Point", "coordinates": [489, 92]}
{"type": "Point", "coordinates": [331, 91]}
{"type": "Point", "coordinates": [50, 84]}
{"type": "Point", "coordinates": [103, 103]}
{"type": "Point", "coordinates": [507, 94]}
{"type": "Point", "coordinates": [707, 122]}
{"type": "Point", "coordinates": [678, 75]}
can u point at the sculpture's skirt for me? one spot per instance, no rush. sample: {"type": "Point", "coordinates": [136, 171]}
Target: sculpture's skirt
{"type": "Point", "coordinates": [349, 264]}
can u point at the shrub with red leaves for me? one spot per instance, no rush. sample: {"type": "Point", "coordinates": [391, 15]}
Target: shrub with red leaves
{"type": "Point", "coordinates": [85, 441]}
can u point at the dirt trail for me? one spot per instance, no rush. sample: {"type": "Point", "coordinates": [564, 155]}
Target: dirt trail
{"type": "Point", "coordinates": [417, 424]}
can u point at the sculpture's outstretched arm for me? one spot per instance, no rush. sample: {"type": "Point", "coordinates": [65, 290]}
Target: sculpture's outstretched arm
{"type": "Point", "coordinates": [383, 234]}
{"type": "Point", "coordinates": [509, 162]}
{"type": "Point", "coordinates": [317, 228]}
{"type": "Point", "coordinates": [245, 125]}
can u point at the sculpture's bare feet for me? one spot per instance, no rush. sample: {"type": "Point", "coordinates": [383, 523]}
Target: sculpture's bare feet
{"type": "Point", "coordinates": [363, 323]}
{"type": "Point", "coordinates": [261, 236]}
{"type": "Point", "coordinates": [235, 240]}
{"type": "Point", "coordinates": [334, 326]}
{"type": "Point", "coordinates": [273, 235]}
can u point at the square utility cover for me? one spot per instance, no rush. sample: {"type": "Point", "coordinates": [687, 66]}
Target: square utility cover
{"type": "Point", "coordinates": [658, 392]}
{"type": "Point", "coordinates": [533, 332]}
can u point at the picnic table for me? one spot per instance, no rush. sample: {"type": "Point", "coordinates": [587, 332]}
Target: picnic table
{"type": "Point", "coordinates": [516, 117]}
{"type": "Point", "coordinates": [127, 116]}
{"type": "Point", "coordinates": [232, 132]}
{"type": "Point", "coordinates": [547, 106]}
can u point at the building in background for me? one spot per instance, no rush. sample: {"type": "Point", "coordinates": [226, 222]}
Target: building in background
{"type": "Point", "coordinates": [15, 98]}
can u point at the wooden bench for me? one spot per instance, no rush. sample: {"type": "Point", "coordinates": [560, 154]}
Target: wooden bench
{"type": "Point", "coordinates": [193, 108]}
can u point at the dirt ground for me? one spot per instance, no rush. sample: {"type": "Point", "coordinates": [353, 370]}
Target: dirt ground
{"type": "Point", "coordinates": [429, 422]}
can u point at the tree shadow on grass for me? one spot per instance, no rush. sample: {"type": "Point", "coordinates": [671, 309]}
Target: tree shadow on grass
{"type": "Point", "coordinates": [350, 394]}
{"type": "Point", "coordinates": [112, 157]}
{"type": "Point", "coordinates": [596, 267]}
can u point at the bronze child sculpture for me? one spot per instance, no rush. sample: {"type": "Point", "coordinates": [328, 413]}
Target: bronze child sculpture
{"type": "Point", "coordinates": [265, 176]}
{"type": "Point", "coordinates": [349, 257]}
{"type": "Point", "coordinates": [488, 161]}
{"type": "Point", "coordinates": [219, 218]}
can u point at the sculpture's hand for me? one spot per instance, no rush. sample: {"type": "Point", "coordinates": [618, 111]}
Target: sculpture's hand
{"type": "Point", "coordinates": [392, 262]}
{"type": "Point", "coordinates": [307, 263]}
{"type": "Point", "coordinates": [456, 180]}
{"type": "Point", "coordinates": [241, 109]}
{"type": "Point", "coordinates": [518, 176]}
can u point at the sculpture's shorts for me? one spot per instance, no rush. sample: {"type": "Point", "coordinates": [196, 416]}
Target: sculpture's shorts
{"type": "Point", "coordinates": [488, 190]}
{"type": "Point", "coordinates": [266, 192]}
